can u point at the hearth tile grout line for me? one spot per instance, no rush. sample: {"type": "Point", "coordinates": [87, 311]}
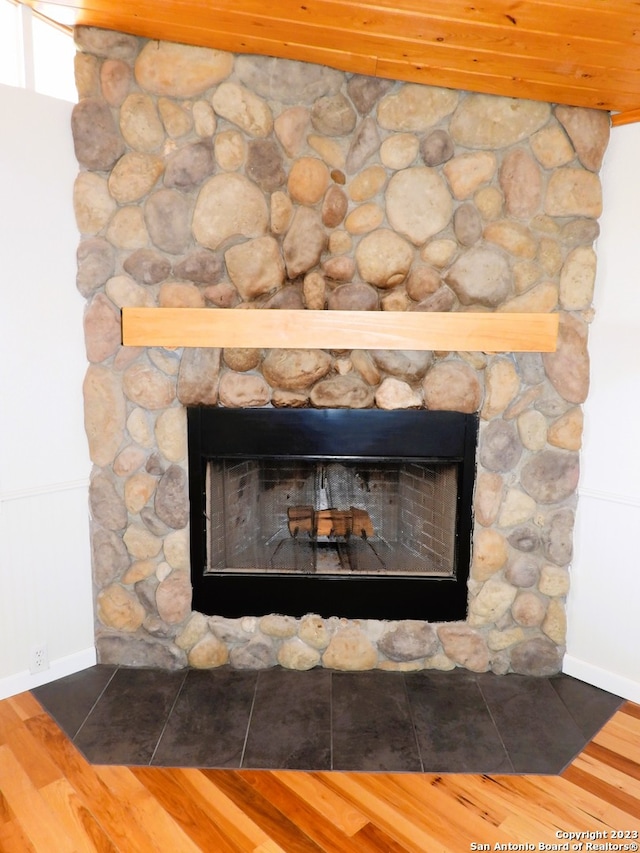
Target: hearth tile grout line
{"type": "Point", "coordinates": [168, 717]}
{"type": "Point", "coordinates": [246, 734]}
{"type": "Point", "coordinates": [495, 725]}
{"type": "Point", "coordinates": [413, 722]}
{"type": "Point", "coordinates": [93, 707]}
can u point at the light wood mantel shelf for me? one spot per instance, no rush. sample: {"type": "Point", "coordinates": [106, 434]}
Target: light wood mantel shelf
{"type": "Point", "coordinates": [339, 330]}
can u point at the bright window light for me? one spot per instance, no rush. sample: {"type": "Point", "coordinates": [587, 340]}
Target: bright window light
{"type": "Point", "coordinates": [35, 54]}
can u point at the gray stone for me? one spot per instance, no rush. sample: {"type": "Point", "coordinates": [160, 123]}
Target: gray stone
{"type": "Point", "coordinates": [289, 298]}
{"type": "Point", "coordinates": [96, 264]}
{"type": "Point", "coordinates": [415, 107]}
{"type": "Point", "coordinates": [442, 300]}
{"type": "Point", "coordinates": [96, 138]}
{"type": "Point", "coordinates": [168, 218]}
{"type": "Point", "coordinates": [265, 165]}
{"type": "Point", "coordinates": [557, 537]}
{"type": "Point", "coordinates": [295, 369]}
{"type": "Point", "coordinates": [538, 656]}
{"type": "Point", "coordinates": [410, 365]}
{"type": "Point", "coordinates": [173, 597]}
{"type": "Point", "coordinates": [418, 203]}
{"type": "Point", "coordinates": [137, 652]}
{"type": "Point", "coordinates": [486, 121]}
{"type": "Point", "coordinates": [436, 148]}
{"type": "Point", "coordinates": [353, 297]}
{"type": "Point", "coordinates": [522, 571]}
{"type": "Point", "coordinates": [201, 267]}
{"type": "Point", "coordinates": [409, 640]}
{"type": "Point", "coordinates": [521, 183]}
{"type": "Point", "coordinates": [107, 507]}
{"type": "Point", "coordinates": [102, 328]}
{"type": "Point", "coordinates": [568, 366]}
{"type": "Point", "coordinates": [341, 268]}
{"type": "Point", "coordinates": [171, 502]}
{"type": "Point", "coordinates": [467, 224]}
{"type": "Point", "coordinates": [109, 557]}
{"type": "Point", "coordinates": [304, 243]}
{"type": "Point", "coordinates": [152, 522]}
{"type": "Point", "coordinates": [342, 392]}
{"type": "Point", "coordinates": [146, 592]}
{"type": "Point", "coordinates": [286, 80]}
{"type": "Point", "coordinates": [106, 43]}
{"type": "Point", "coordinates": [365, 92]}
{"type": "Point", "coordinates": [258, 653]}
{"type": "Point", "coordinates": [198, 377]}
{"type": "Point", "coordinates": [530, 367]}
{"type": "Point", "coordinates": [525, 538]}
{"type": "Point", "coordinates": [334, 206]}
{"type": "Point", "coordinates": [480, 276]}
{"type": "Point", "coordinates": [551, 475]}
{"type": "Point", "coordinates": [333, 115]}
{"type": "Point", "coordinates": [155, 465]}
{"type": "Point", "coordinates": [580, 232]}
{"type": "Point", "coordinates": [422, 282]}
{"type": "Point", "coordinates": [147, 266]}
{"type": "Point", "coordinates": [189, 166]}
{"type": "Point", "coordinates": [364, 144]}
{"type": "Point", "coordinates": [500, 447]}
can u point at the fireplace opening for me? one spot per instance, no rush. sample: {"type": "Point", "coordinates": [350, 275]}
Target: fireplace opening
{"type": "Point", "coordinates": [351, 513]}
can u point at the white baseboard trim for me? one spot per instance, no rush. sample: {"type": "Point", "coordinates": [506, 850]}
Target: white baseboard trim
{"type": "Point", "coordinates": [620, 685]}
{"type": "Point", "coordinates": [23, 681]}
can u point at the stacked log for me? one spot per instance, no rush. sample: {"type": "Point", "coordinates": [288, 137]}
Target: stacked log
{"type": "Point", "coordinates": [329, 522]}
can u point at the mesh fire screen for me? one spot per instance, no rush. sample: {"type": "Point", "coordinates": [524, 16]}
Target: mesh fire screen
{"type": "Point", "coordinates": [329, 517]}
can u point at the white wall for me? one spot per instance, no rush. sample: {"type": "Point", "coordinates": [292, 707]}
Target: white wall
{"type": "Point", "coordinates": [603, 645]}
{"type": "Point", "coordinates": [45, 575]}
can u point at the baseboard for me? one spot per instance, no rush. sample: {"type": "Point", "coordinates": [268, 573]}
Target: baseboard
{"type": "Point", "coordinates": [23, 681]}
{"type": "Point", "coordinates": [620, 685]}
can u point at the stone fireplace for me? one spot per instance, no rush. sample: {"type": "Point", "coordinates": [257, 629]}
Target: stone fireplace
{"type": "Point", "coordinates": [240, 182]}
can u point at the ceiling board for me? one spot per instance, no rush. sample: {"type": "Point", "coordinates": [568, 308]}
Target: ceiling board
{"type": "Point", "coordinates": [578, 52]}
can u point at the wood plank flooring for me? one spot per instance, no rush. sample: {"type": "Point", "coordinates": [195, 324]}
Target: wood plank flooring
{"type": "Point", "coordinates": [53, 801]}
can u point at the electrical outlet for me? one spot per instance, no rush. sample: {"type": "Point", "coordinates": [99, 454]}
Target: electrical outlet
{"type": "Point", "coordinates": [39, 659]}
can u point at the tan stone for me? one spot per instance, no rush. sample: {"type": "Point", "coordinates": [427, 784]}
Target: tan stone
{"type": "Point", "coordinates": [139, 427]}
{"type": "Point", "coordinates": [314, 632]}
{"type": "Point", "coordinates": [128, 460]}
{"type": "Point", "coordinates": [401, 666]}
{"type": "Point", "coordinates": [568, 366]}
{"type": "Point", "coordinates": [541, 299]}
{"type": "Point", "coordinates": [512, 237]}
{"type": "Point", "coordinates": [364, 219]}
{"type": "Point", "coordinates": [452, 386]}
{"type": "Point", "coordinates": [308, 180]}
{"type": "Point", "coordinates": [118, 608]}
{"type": "Point", "coordinates": [491, 603]}
{"type": "Point", "coordinates": [141, 543]}
{"type": "Point", "coordinates": [521, 183]}
{"type": "Point", "coordinates": [242, 358]}
{"type": "Point", "coordinates": [396, 394]}
{"type": "Point", "coordinates": [243, 390]}
{"type": "Point", "coordinates": [281, 212]}
{"type": "Point", "coordinates": [176, 549]}
{"type": "Point", "coordinates": [314, 290]}
{"type": "Point", "coordinates": [104, 414]}
{"type": "Point", "coordinates": [396, 300]}
{"type": "Point", "coordinates": [134, 175]}
{"type": "Point", "coordinates": [295, 370]}
{"type": "Point", "coordinates": [588, 131]}
{"type": "Point", "coordinates": [275, 625]}
{"type": "Point", "coordinates": [255, 266]}
{"type": "Point", "coordinates": [516, 509]}
{"type": "Point", "coordinates": [244, 108]}
{"type": "Point", "coordinates": [180, 71]}
{"type": "Point", "coordinates": [180, 294]}
{"type": "Point", "coordinates": [204, 119]}
{"type": "Point", "coordinates": [439, 253]}
{"type": "Point", "coordinates": [168, 361]}
{"type": "Point", "coordinates": [418, 203]}
{"type": "Point", "coordinates": [383, 258]}
{"type": "Point", "coordinates": [176, 120]}
{"type": "Point", "coordinates": [487, 121]}
{"type": "Point", "coordinates": [490, 552]}
{"type": "Point", "coordinates": [294, 654]}
{"type": "Point", "coordinates": [173, 597]}
{"type": "Point", "coordinates": [195, 629]}
{"type": "Point", "coordinates": [366, 367]}
{"type": "Point", "coordinates": [127, 229]}
{"type": "Point", "coordinates": [138, 490]}
{"type": "Point", "coordinates": [350, 650]}
{"type": "Point", "coordinates": [139, 571]}
{"type": "Point", "coordinates": [399, 151]}
{"type": "Point", "coordinates": [468, 172]}
{"type": "Point", "coordinates": [208, 653]}
{"type": "Point", "coordinates": [230, 150]}
{"type": "Point", "coordinates": [528, 609]}
{"type": "Point", "coordinates": [499, 640]}
{"type": "Point", "coordinates": [440, 662]}
{"type": "Point", "coordinates": [577, 279]}
{"type": "Point", "coordinates": [415, 107]}
{"type": "Point", "coordinates": [291, 129]}
{"type": "Point", "coordinates": [566, 431]}
{"type": "Point", "coordinates": [87, 76]}
{"type": "Point", "coordinates": [488, 497]}
{"type": "Point", "coordinates": [554, 581]}
{"type": "Point", "coordinates": [332, 151]}
{"type": "Point", "coordinates": [551, 147]}
{"type": "Point", "coordinates": [464, 646]}
{"type": "Point", "coordinates": [147, 387]}
{"type": "Point", "coordinates": [555, 623]}
{"type": "Point", "coordinates": [489, 201]}
{"type": "Point", "coordinates": [102, 329]}
{"type": "Point", "coordinates": [140, 123]}
{"type": "Point", "coordinates": [367, 183]}
{"type": "Point", "coordinates": [502, 384]}
{"type": "Point", "coordinates": [92, 202]}
{"type": "Point", "coordinates": [229, 205]}
{"type": "Point", "coordinates": [532, 429]}
{"type": "Point", "coordinates": [124, 292]}
{"type": "Point", "coordinates": [573, 192]}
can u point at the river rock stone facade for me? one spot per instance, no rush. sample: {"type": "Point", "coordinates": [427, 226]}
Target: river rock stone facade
{"type": "Point", "coordinates": [230, 181]}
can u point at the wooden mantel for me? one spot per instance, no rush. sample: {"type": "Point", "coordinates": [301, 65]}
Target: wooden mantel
{"type": "Point", "coordinates": [339, 330]}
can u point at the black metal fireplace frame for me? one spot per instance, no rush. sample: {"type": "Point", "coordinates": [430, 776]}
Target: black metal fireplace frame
{"type": "Point", "coordinates": [337, 434]}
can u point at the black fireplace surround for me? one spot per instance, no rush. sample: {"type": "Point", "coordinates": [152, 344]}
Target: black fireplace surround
{"type": "Point", "coordinates": [353, 437]}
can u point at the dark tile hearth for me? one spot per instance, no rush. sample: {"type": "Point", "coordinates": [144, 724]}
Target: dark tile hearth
{"type": "Point", "coordinates": [429, 721]}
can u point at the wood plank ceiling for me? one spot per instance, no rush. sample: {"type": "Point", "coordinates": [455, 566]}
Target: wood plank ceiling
{"type": "Point", "coordinates": [577, 52]}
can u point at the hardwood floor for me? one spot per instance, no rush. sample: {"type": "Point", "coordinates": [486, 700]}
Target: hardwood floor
{"type": "Point", "coordinates": [53, 801]}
